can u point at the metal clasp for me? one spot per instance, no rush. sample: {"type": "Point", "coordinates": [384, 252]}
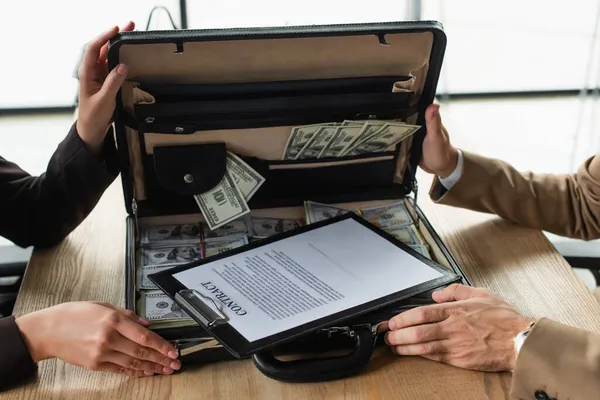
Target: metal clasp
{"type": "Point", "coordinates": [349, 330]}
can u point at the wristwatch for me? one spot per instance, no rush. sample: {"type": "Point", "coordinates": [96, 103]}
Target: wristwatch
{"type": "Point", "coordinates": [521, 336]}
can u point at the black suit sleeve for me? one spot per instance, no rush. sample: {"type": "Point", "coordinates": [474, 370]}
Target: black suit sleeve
{"type": "Point", "coordinates": [43, 210]}
{"type": "Point", "coordinates": [15, 362]}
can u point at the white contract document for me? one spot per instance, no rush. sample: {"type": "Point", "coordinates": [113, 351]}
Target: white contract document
{"type": "Point", "coordinates": [296, 280]}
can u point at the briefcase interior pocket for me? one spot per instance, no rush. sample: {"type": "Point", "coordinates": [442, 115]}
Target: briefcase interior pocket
{"type": "Point", "coordinates": [169, 93]}
{"type": "Point", "coordinates": [189, 117]}
{"type": "Point", "coordinates": [287, 181]}
{"type": "Point", "coordinates": [257, 119]}
{"type": "Point", "coordinates": [189, 170]}
{"type": "Point", "coordinates": [351, 177]}
{"type": "Point", "coordinates": [176, 173]}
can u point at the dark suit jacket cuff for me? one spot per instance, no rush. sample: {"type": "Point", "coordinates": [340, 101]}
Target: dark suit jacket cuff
{"type": "Point", "coordinates": [15, 362]}
{"type": "Point", "coordinates": [103, 167]}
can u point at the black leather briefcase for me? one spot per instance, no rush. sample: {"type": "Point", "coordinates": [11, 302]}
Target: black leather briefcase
{"type": "Point", "coordinates": [247, 88]}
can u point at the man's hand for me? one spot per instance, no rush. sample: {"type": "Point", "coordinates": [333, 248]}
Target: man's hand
{"type": "Point", "coordinates": [470, 328]}
{"type": "Point", "coordinates": [439, 156]}
{"type": "Point", "coordinates": [98, 90]}
{"type": "Point", "coordinates": [97, 336]}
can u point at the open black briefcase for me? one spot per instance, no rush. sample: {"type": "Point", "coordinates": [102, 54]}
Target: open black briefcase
{"type": "Point", "coordinates": [193, 96]}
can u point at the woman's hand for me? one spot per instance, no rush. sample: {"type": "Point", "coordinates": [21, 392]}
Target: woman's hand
{"type": "Point", "coordinates": [98, 90]}
{"type": "Point", "coordinates": [97, 336]}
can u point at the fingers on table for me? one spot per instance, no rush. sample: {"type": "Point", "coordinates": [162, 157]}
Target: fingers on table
{"type": "Point", "coordinates": [118, 369]}
{"type": "Point", "coordinates": [161, 363]}
{"type": "Point", "coordinates": [137, 364]}
{"type": "Point", "coordinates": [146, 338]}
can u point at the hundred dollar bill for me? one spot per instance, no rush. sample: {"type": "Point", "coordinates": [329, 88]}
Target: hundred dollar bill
{"type": "Point", "coordinates": [344, 137]}
{"type": "Point", "coordinates": [159, 306]}
{"type": "Point", "coordinates": [143, 281]}
{"type": "Point", "coordinates": [369, 129]}
{"type": "Point", "coordinates": [421, 249]}
{"type": "Point", "coordinates": [353, 123]}
{"type": "Point", "coordinates": [242, 226]}
{"type": "Point", "coordinates": [170, 234]}
{"type": "Point", "coordinates": [407, 234]}
{"type": "Point", "coordinates": [316, 212]}
{"type": "Point", "coordinates": [388, 136]}
{"type": "Point", "coordinates": [387, 215]}
{"type": "Point", "coordinates": [245, 178]}
{"type": "Point", "coordinates": [299, 137]}
{"type": "Point", "coordinates": [171, 255]}
{"type": "Point", "coordinates": [265, 227]}
{"type": "Point", "coordinates": [222, 204]}
{"type": "Point", "coordinates": [211, 247]}
{"type": "Point", "coordinates": [221, 245]}
{"type": "Point", "coordinates": [304, 151]}
{"type": "Point", "coordinates": [317, 145]}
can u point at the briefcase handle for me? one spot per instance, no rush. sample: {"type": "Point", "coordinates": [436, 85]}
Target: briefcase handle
{"type": "Point", "coordinates": [319, 369]}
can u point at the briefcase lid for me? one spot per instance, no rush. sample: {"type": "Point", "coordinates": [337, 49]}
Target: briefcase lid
{"type": "Point", "coordinates": [193, 95]}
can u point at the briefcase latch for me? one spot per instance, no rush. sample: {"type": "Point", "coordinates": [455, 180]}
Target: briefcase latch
{"type": "Point", "coordinates": [349, 331]}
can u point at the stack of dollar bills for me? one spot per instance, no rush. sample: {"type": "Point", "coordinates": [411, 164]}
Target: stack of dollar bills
{"type": "Point", "coordinates": [349, 138]}
{"type": "Point", "coordinates": [228, 201]}
{"type": "Point", "coordinates": [393, 218]}
{"type": "Point", "coordinates": [166, 246]}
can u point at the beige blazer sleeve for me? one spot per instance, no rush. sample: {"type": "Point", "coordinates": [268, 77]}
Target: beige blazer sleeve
{"type": "Point", "coordinates": [568, 205]}
{"type": "Point", "coordinates": [559, 361]}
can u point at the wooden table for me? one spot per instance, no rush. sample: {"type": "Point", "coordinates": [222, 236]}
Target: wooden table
{"type": "Point", "coordinates": [517, 263]}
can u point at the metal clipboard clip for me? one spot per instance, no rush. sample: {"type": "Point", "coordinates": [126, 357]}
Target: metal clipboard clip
{"type": "Point", "coordinates": [195, 304]}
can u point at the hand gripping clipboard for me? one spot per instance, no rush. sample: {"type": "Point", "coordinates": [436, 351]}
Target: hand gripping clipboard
{"type": "Point", "coordinates": [357, 323]}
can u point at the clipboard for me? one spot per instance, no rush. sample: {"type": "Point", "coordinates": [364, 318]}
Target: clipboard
{"type": "Point", "coordinates": [211, 315]}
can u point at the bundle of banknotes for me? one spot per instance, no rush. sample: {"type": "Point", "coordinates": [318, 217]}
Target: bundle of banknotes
{"type": "Point", "coordinates": [164, 247]}
{"type": "Point", "coordinates": [349, 138]}
{"type": "Point", "coordinates": [394, 219]}
{"type": "Point", "coordinates": [228, 201]}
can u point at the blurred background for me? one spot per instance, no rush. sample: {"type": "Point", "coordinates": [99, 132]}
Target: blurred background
{"type": "Point", "coordinates": [520, 80]}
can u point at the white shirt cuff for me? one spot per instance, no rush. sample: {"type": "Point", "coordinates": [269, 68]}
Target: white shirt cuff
{"type": "Point", "coordinates": [451, 179]}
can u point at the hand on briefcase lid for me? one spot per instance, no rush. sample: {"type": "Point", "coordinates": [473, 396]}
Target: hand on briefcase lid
{"type": "Point", "coordinates": [289, 122]}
